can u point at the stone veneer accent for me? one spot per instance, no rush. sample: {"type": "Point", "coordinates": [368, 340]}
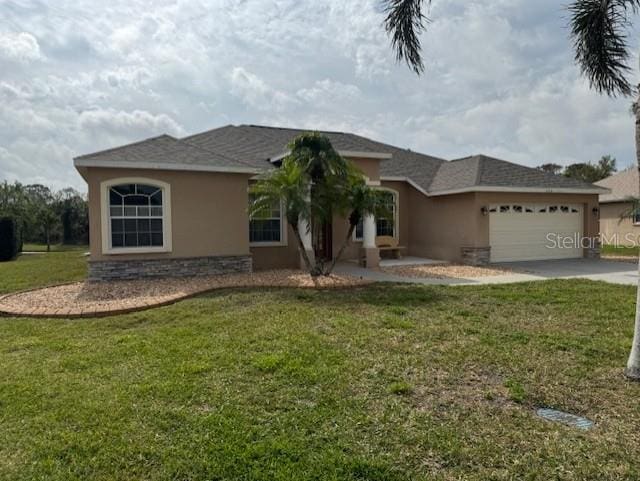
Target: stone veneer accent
{"type": "Point", "coordinates": [593, 251]}
{"type": "Point", "coordinates": [476, 256]}
{"type": "Point", "coordinates": [180, 267]}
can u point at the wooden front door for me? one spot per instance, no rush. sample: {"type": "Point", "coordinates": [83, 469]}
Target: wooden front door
{"type": "Point", "coordinates": [324, 249]}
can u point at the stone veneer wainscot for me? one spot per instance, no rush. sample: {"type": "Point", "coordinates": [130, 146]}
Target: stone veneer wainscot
{"type": "Point", "coordinates": [181, 267]}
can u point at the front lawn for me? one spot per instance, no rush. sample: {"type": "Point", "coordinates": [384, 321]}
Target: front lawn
{"type": "Point", "coordinates": [38, 270]}
{"type": "Point", "coordinates": [386, 382]}
{"type": "Point", "coordinates": [619, 250]}
{"type": "Point", "coordinates": [54, 248]}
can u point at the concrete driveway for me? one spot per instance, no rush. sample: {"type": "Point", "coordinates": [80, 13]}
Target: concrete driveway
{"type": "Point", "coordinates": [615, 272]}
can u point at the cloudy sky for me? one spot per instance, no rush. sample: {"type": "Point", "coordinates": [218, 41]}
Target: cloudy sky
{"type": "Point", "coordinates": [77, 76]}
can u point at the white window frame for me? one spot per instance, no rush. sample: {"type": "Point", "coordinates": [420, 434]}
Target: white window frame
{"type": "Point", "coordinates": [396, 220]}
{"type": "Point", "coordinates": [105, 187]}
{"type": "Point", "coordinates": [283, 233]}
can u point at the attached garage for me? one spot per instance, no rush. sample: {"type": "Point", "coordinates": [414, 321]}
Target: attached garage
{"type": "Point", "coordinates": [527, 232]}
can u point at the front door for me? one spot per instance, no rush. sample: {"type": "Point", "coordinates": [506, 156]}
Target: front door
{"type": "Point", "coordinates": [324, 244]}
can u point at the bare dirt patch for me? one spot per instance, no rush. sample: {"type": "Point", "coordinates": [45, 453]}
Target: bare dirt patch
{"type": "Point", "coordinates": [443, 271]}
{"type": "Point", "coordinates": [82, 299]}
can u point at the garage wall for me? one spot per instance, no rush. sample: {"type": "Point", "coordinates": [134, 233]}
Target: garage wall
{"type": "Point", "coordinates": [612, 223]}
{"type": "Point", "coordinates": [440, 226]}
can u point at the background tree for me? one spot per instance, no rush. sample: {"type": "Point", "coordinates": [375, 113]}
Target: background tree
{"type": "Point", "coordinates": [42, 207]}
{"type": "Point", "coordinates": [550, 168]}
{"type": "Point", "coordinates": [41, 213]}
{"type": "Point", "coordinates": [72, 209]}
{"type": "Point", "coordinates": [599, 32]}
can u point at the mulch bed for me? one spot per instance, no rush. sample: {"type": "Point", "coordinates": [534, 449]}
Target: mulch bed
{"type": "Point", "coordinates": [443, 271]}
{"type": "Point", "coordinates": [93, 299]}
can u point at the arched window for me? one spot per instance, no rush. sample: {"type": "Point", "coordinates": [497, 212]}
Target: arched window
{"type": "Point", "coordinates": [137, 216]}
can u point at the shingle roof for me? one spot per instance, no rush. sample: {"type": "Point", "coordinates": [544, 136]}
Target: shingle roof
{"type": "Point", "coordinates": [484, 171]}
{"type": "Point", "coordinates": [249, 147]}
{"type": "Point", "coordinates": [623, 185]}
{"type": "Point", "coordinates": [162, 149]}
{"type": "Point", "coordinates": [257, 144]}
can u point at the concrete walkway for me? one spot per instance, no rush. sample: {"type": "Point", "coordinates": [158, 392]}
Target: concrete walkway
{"type": "Point", "coordinates": [613, 272]}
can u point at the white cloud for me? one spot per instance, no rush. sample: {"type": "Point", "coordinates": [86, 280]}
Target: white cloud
{"type": "Point", "coordinates": [118, 122]}
{"type": "Point", "coordinates": [22, 47]}
{"type": "Point", "coordinates": [256, 93]}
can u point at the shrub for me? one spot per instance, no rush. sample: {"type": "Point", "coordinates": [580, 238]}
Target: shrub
{"type": "Point", "coordinates": [9, 243]}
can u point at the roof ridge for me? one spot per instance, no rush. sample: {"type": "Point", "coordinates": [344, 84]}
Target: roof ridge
{"type": "Point", "coordinates": [269, 127]}
{"type": "Point", "coordinates": [112, 149]}
{"type": "Point", "coordinates": [207, 131]}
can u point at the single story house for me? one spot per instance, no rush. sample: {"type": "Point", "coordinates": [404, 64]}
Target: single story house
{"type": "Point", "coordinates": [169, 206]}
{"type": "Point", "coordinates": [617, 224]}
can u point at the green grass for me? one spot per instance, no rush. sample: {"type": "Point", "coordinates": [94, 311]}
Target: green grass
{"type": "Point", "coordinates": [54, 248]}
{"type": "Point", "coordinates": [282, 384]}
{"type": "Point", "coordinates": [619, 250]}
{"type": "Point", "coordinates": [35, 270]}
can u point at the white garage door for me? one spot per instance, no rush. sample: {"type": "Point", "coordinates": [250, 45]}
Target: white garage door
{"type": "Point", "coordinates": [527, 232]}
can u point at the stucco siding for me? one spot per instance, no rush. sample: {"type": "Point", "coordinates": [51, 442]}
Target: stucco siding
{"type": "Point", "coordinates": [440, 226]}
{"type": "Point", "coordinates": [208, 212]}
{"type": "Point", "coordinates": [616, 226]}
{"type": "Point", "coordinates": [277, 257]}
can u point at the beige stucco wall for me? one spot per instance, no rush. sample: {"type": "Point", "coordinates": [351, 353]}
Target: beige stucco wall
{"type": "Point", "coordinates": [208, 212]}
{"type": "Point", "coordinates": [274, 257]}
{"type": "Point", "coordinates": [369, 167]}
{"type": "Point", "coordinates": [616, 226]}
{"type": "Point", "coordinates": [439, 226]}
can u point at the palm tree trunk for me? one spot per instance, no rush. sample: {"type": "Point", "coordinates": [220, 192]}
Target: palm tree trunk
{"type": "Point", "coordinates": [344, 245]}
{"type": "Point", "coordinates": [303, 252]}
{"type": "Point", "coordinates": [633, 364]}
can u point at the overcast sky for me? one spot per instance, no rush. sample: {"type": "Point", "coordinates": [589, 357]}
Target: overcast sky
{"type": "Point", "coordinates": [77, 76]}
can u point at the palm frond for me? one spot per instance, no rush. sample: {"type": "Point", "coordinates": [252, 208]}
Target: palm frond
{"type": "Point", "coordinates": [404, 24]}
{"type": "Point", "coordinates": [599, 33]}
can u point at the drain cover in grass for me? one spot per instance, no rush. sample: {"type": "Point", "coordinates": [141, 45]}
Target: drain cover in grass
{"type": "Point", "coordinates": [565, 418]}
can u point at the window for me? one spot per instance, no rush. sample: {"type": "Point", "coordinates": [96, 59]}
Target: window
{"type": "Point", "coordinates": [385, 225]}
{"type": "Point", "coordinates": [135, 212]}
{"type": "Point", "coordinates": [135, 216]}
{"type": "Point", "coordinates": [266, 228]}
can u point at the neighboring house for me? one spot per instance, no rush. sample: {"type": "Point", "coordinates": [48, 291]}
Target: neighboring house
{"type": "Point", "coordinates": [617, 224]}
{"type": "Point", "coordinates": [167, 206]}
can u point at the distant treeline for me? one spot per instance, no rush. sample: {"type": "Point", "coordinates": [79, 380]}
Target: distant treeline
{"type": "Point", "coordinates": [44, 216]}
{"type": "Point", "coordinates": [586, 172]}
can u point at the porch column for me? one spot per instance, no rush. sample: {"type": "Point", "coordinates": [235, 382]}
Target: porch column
{"type": "Point", "coordinates": [371, 253]}
{"type": "Point", "coordinates": [305, 235]}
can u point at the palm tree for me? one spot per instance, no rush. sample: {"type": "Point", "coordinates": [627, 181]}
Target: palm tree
{"type": "Point", "coordinates": [599, 31]}
{"type": "Point", "coordinates": [404, 24]}
{"type": "Point", "coordinates": [286, 185]}
{"type": "Point", "coordinates": [314, 183]}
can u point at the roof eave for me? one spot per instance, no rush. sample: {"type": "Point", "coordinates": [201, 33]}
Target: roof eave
{"type": "Point", "coordinates": [524, 190]}
{"type": "Point", "coordinates": [82, 162]}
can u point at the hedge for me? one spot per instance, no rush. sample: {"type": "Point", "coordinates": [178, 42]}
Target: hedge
{"type": "Point", "coordinates": [9, 242]}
